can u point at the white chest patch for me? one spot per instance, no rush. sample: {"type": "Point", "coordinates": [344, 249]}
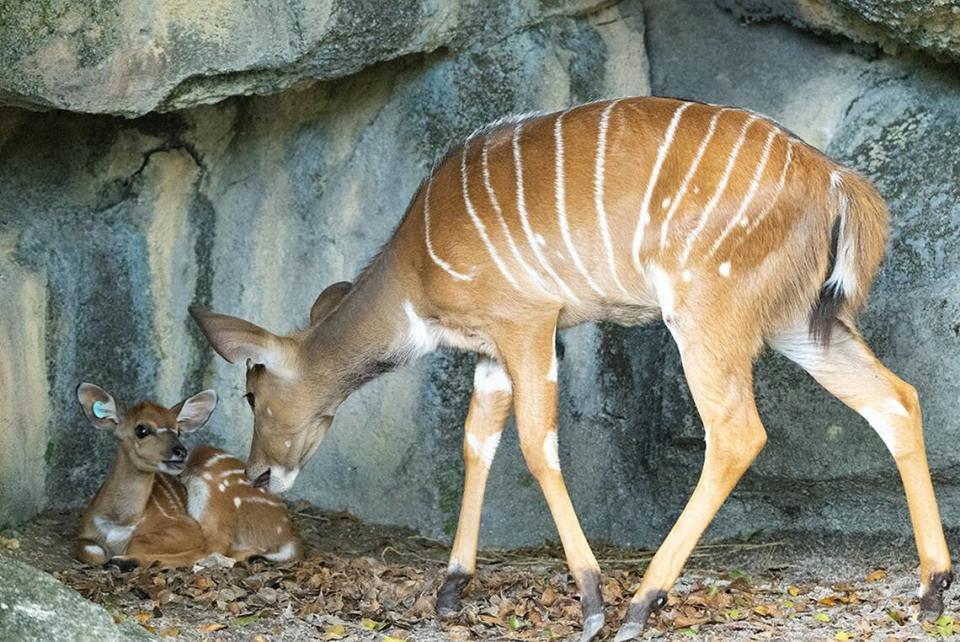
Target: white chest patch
{"type": "Point", "coordinates": [116, 536]}
{"type": "Point", "coordinates": [198, 496]}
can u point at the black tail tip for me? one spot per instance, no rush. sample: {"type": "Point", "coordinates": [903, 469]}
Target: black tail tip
{"type": "Point", "coordinates": [824, 315]}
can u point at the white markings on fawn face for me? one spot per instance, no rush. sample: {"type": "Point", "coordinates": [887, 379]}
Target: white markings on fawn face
{"type": "Point", "coordinates": [691, 171]}
{"type": "Point", "coordinates": [718, 192]}
{"type": "Point", "coordinates": [426, 234]}
{"type": "Point", "coordinates": [477, 223]}
{"type": "Point", "coordinates": [739, 217]}
{"type": "Point", "coordinates": [598, 180]}
{"type": "Point", "coordinates": [551, 450]}
{"type": "Point", "coordinates": [495, 203]}
{"type": "Point", "coordinates": [525, 219]}
{"type": "Point", "coordinates": [652, 183]}
{"type": "Point", "coordinates": [561, 196]}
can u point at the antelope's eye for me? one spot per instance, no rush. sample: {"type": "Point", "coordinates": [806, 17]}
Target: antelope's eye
{"type": "Point", "coordinates": [142, 431]}
{"type": "Point", "coordinates": [250, 400]}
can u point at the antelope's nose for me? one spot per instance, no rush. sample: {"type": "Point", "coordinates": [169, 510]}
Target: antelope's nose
{"type": "Point", "coordinates": [179, 452]}
{"type": "Point", "coordinates": [263, 480]}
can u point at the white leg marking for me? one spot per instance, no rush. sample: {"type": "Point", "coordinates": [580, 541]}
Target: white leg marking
{"type": "Point", "coordinates": [724, 269]}
{"type": "Point", "coordinates": [524, 218]}
{"type": "Point", "coordinates": [739, 217]}
{"type": "Point", "coordinates": [93, 549]}
{"type": "Point", "coordinates": [685, 183]}
{"type": "Point", "coordinates": [776, 195]}
{"type": "Point", "coordinates": [283, 554]}
{"type": "Point", "coordinates": [503, 223]}
{"type": "Point", "coordinates": [485, 450]}
{"type": "Point", "coordinates": [426, 226]}
{"type": "Point", "coordinates": [477, 223]}
{"type": "Point", "coordinates": [884, 425]}
{"type": "Point", "coordinates": [652, 183]}
{"type": "Point", "coordinates": [551, 450]}
{"type": "Point", "coordinates": [561, 196]}
{"type": "Point", "coordinates": [598, 178]}
{"type": "Point", "coordinates": [490, 376]}
{"type": "Point", "coordinates": [895, 407]}
{"type": "Point", "coordinates": [718, 192]}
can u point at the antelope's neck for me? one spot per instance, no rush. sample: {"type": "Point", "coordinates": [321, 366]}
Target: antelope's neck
{"type": "Point", "coordinates": [368, 334]}
{"type": "Point", "coordinates": [125, 492]}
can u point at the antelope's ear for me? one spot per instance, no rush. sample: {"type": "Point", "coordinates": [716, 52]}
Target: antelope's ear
{"type": "Point", "coordinates": [328, 300]}
{"type": "Point", "coordinates": [194, 411]}
{"type": "Point", "coordinates": [99, 407]}
{"type": "Point", "coordinates": [235, 339]}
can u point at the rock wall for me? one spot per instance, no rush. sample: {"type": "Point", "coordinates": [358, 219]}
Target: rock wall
{"type": "Point", "coordinates": [110, 227]}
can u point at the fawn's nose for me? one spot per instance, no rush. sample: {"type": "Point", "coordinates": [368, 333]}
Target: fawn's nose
{"type": "Point", "coordinates": [179, 452]}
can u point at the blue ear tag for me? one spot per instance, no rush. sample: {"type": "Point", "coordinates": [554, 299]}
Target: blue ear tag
{"type": "Point", "coordinates": [99, 411]}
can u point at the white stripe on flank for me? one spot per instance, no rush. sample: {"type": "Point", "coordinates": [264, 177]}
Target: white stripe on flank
{"type": "Point", "coordinates": [477, 223]}
{"type": "Point", "coordinates": [776, 195]}
{"type": "Point", "coordinates": [685, 184]}
{"type": "Point", "coordinates": [751, 192]}
{"type": "Point", "coordinates": [232, 471]}
{"type": "Point", "coordinates": [503, 223]}
{"type": "Point", "coordinates": [255, 499]}
{"type": "Point", "coordinates": [652, 183]}
{"type": "Point", "coordinates": [216, 458]}
{"type": "Point", "coordinates": [426, 235]}
{"type": "Point", "coordinates": [598, 177]}
{"type": "Point", "coordinates": [159, 507]}
{"type": "Point", "coordinates": [560, 190]}
{"type": "Point", "coordinates": [524, 219]}
{"type": "Point", "coordinates": [170, 493]}
{"type": "Point", "coordinates": [718, 193]}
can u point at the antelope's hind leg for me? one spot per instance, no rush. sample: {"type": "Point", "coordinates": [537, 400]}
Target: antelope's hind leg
{"type": "Point", "coordinates": [721, 382]}
{"type": "Point", "coordinates": [489, 408]}
{"type": "Point", "coordinates": [850, 371]}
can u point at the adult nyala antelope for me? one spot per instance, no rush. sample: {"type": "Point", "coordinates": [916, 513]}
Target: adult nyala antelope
{"type": "Point", "coordinates": [139, 516]}
{"type": "Point", "coordinates": [716, 220]}
{"type": "Point", "coordinates": [143, 515]}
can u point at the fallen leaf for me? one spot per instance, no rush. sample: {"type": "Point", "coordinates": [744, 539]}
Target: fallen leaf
{"type": "Point", "coordinates": [842, 636]}
{"type": "Point", "coordinates": [793, 590]}
{"type": "Point", "coordinates": [821, 617]}
{"type": "Point", "coordinates": [213, 626]}
{"type": "Point", "coordinates": [373, 625]}
{"type": "Point", "coordinates": [876, 575]}
{"type": "Point", "coordinates": [169, 632]}
{"type": "Point", "coordinates": [335, 632]}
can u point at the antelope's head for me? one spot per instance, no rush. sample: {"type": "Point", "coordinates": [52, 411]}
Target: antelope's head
{"type": "Point", "coordinates": [149, 433]}
{"type": "Point", "coordinates": [292, 401]}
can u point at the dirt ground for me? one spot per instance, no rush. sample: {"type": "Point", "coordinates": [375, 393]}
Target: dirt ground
{"type": "Point", "coordinates": [366, 582]}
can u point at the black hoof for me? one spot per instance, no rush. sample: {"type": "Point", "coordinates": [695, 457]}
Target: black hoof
{"type": "Point", "coordinates": [931, 600]}
{"type": "Point", "coordinates": [591, 605]}
{"type": "Point", "coordinates": [638, 613]}
{"type": "Point", "coordinates": [448, 599]}
{"type": "Point", "coordinates": [123, 563]}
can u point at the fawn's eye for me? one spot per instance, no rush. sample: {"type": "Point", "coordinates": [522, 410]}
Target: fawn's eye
{"type": "Point", "coordinates": [142, 431]}
{"type": "Point", "coordinates": [250, 400]}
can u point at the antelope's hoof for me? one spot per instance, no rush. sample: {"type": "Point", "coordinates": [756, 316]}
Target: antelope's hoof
{"type": "Point", "coordinates": [638, 613]}
{"type": "Point", "coordinates": [123, 563]}
{"type": "Point", "coordinates": [448, 598]}
{"type": "Point", "coordinates": [592, 626]}
{"type": "Point", "coordinates": [931, 597]}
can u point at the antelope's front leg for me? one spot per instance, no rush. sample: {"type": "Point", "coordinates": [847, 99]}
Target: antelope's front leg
{"type": "Point", "coordinates": [530, 357]}
{"type": "Point", "coordinates": [489, 408]}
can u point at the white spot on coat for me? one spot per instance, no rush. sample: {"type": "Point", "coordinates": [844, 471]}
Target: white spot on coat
{"type": "Point", "coordinates": [724, 269]}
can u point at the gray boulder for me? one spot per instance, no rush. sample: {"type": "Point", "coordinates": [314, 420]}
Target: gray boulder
{"type": "Point", "coordinates": [34, 606]}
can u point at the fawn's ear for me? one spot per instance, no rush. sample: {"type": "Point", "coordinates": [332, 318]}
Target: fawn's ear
{"type": "Point", "coordinates": [194, 411]}
{"type": "Point", "coordinates": [328, 300]}
{"type": "Point", "coordinates": [235, 339]}
{"type": "Point", "coordinates": [99, 407]}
